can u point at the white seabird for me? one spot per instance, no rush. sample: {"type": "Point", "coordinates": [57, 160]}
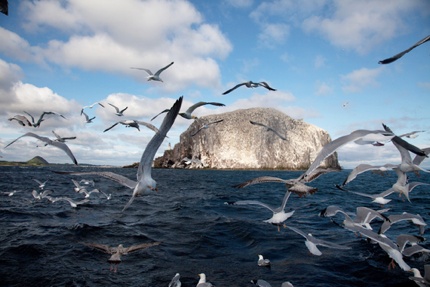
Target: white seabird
{"type": "Point", "coordinates": [250, 84]}
{"type": "Point", "coordinates": [401, 54]}
{"type": "Point", "coordinates": [364, 216]}
{"type": "Point", "coordinates": [11, 193]}
{"type": "Point", "coordinates": [117, 252]}
{"type": "Point", "coordinates": [190, 110]}
{"type": "Point", "coordinates": [41, 195]}
{"type": "Point", "coordinates": [394, 218]}
{"type": "Point", "coordinates": [41, 184]}
{"type": "Point", "coordinates": [72, 202]}
{"type": "Point", "coordinates": [387, 245]}
{"type": "Point", "coordinates": [279, 214]}
{"type": "Point", "coordinates": [118, 111]}
{"type": "Point", "coordinates": [312, 242]}
{"type": "Point", "coordinates": [358, 136]}
{"type": "Point", "coordinates": [263, 261]}
{"type": "Point", "coordinates": [46, 140]}
{"type": "Point", "coordinates": [202, 281]}
{"type": "Point", "coordinates": [91, 106]}
{"type": "Point", "coordinates": [261, 283]}
{"type": "Point", "coordinates": [41, 119]}
{"type": "Point", "coordinates": [156, 76]}
{"type": "Point", "coordinates": [206, 126]}
{"type": "Point", "coordinates": [62, 139]}
{"type": "Point", "coordinates": [296, 185]}
{"type": "Point", "coordinates": [134, 124]}
{"type": "Point", "coordinates": [187, 114]}
{"type": "Point", "coordinates": [145, 182]}
{"type": "Point", "coordinates": [419, 279]}
{"type": "Point", "coordinates": [175, 282]}
{"type": "Point", "coordinates": [269, 129]}
{"type": "Point", "coordinates": [87, 118]}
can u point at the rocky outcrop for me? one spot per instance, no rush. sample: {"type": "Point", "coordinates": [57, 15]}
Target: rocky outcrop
{"type": "Point", "coordinates": [37, 160]}
{"type": "Point", "coordinates": [235, 143]}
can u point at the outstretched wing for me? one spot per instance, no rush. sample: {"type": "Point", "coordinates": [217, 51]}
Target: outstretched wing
{"type": "Point", "coordinates": [234, 88]}
{"type": "Point", "coordinates": [164, 111]}
{"type": "Point", "coordinates": [101, 247]}
{"type": "Point", "coordinates": [140, 246]}
{"type": "Point", "coordinates": [162, 69]}
{"type": "Point", "coordinates": [401, 54]}
{"type": "Point", "coordinates": [110, 127]}
{"type": "Point", "coordinates": [148, 125]}
{"type": "Point", "coordinates": [261, 179]}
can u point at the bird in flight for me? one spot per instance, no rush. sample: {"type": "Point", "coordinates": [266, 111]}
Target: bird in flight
{"type": "Point", "coordinates": [250, 84]}
{"type": "Point", "coordinates": [156, 76]}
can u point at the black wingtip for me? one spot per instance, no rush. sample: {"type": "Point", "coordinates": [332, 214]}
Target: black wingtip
{"type": "Point", "coordinates": [338, 186]}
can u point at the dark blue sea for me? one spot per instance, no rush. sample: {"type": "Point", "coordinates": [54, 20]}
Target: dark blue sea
{"type": "Point", "coordinates": [41, 242]}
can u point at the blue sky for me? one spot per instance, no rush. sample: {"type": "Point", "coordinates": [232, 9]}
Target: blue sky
{"type": "Point", "coordinates": [321, 56]}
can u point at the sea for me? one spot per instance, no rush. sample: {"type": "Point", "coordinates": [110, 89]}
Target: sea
{"type": "Point", "coordinates": [42, 243]}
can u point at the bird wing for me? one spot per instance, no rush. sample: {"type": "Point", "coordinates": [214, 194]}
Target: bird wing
{"type": "Point", "coordinates": [261, 179]}
{"type": "Point", "coordinates": [38, 181]}
{"type": "Point", "coordinates": [234, 88]}
{"type": "Point", "coordinates": [164, 111]}
{"type": "Point", "coordinates": [401, 54]}
{"type": "Point", "coordinates": [146, 70]}
{"type": "Point", "coordinates": [215, 122]}
{"type": "Point", "coordinates": [106, 174]}
{"type": "Point", "coordinates": [258, 124]}
{"type": "Point", "coordinates": [196, 105]}
{"type": "Point", "coordinates": [65, 148]}
{"type": "Point", "coordinates": [193, 134]}
{"type": "Point", "coordinates": [123, 109]}
{"type": "Point", "coordinates": [76, 183]}
{"type": "Point", "coordinates": [254, 202]}
{"type": "Point", "coordinates": [162, 69]}
{"type": "Point", "coordinates": [140, 246]}
{"type": "Point", "coordinates": [265, 85]}
{"type": "Point", "coordinates": [418, 159]}
{"type": "Point", "coordinates": [363, 168]}
{"type": "Point", "coordinates": [298, 231]}
{"type": "Point", "coordinates": [116, 108]}
{"type": "Point", "coordinates": [147, 158]}
{"type": "Point", "coordinates": [32, 118]}
{"type": "Point", "coordinates": [285, 199]}
{"type": "Point", "coordinates": [148, 125]}
{"type": "Point", "coordinates": [50, 113]}
{"type": "Point", "coordinates": [86, 116]}
{"type": "Point", "coordinates": [101, 247]}
{"type": "Point", "coordinates": [332, 146]}
{"type": "Point", "coordinates": [111, 127]}
{"type": "Point", "coordinates": [30, 134]}
{"type": "Point", "coordinates": [276, 133]}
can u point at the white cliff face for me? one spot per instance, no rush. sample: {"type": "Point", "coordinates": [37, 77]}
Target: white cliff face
{"type": "Point", "coordinates": [235, 143]}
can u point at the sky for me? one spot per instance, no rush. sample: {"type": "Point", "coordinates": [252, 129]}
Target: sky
{"type": "Point", "coordinates": [320, 55]}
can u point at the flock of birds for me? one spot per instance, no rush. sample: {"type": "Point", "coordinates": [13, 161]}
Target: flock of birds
{"type": "Point", "coordinates": [405, 245]}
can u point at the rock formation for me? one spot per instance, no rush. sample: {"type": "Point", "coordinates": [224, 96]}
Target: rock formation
{"type": "Point", "coordinates": [235, 143]}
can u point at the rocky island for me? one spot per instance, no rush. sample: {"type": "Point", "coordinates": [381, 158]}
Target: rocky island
{"type": "Point", "coordinates": [235, 143]}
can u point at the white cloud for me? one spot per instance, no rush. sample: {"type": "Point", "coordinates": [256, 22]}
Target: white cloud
{"type": "Point", "coordinates": [16, 47]}
{"type": "Point", "coordinates": [360, 79]}
{"type": "Point", "coordinates": [362, 25]}
{"type": "Point", "coordinates": [349, 24]}
{"type": "Point", "coordinates": [95, 36]}
{"type": "Point", "coordinates": [323, 89]}
{"type": "Point", "coordinates": [319, 61]}
{"type": "Point", "coordinates": [273, 34]}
